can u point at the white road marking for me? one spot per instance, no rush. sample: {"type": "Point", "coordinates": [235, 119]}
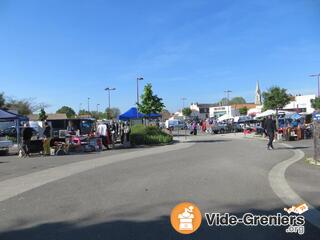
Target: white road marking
{"type": "Point", "coordinates": [282, 189]}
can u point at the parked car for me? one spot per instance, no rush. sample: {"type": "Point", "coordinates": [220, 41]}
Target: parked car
{"type": "Point", "coordinates": [12, 132]}
{"type": "Point", "coordinates": [4, 146]}
{"type": "Point", "coordinates": [220, 129]}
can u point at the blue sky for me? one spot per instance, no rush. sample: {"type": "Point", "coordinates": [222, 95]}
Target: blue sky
{"type": "Point", "coordinates": [61, 52]}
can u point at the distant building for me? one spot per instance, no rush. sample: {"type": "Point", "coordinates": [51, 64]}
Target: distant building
{"type": "Point", "coordinates": [258, 100]}
{"type": "Point", "coordinates": [202, 110]}
{"type": "Point", "coordinates": [216, 112]}
{"type": "Point", "coordinates": [301, 103]}
{"type": "Point", "coordinates": [242, 105]}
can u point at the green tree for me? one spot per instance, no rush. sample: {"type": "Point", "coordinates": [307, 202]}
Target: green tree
{"type": "Point", "coordinates": [315, 103]}
{"type": "Point", "coordinates": [112, 113]}
{"type": "Point", "coordinates": [165, 114]}
{"type": "Point", "coordinates": [224, 101]}
{"type": "Point", "coordinates": [24, 107]}
{"type": "Point", "coordinates": [84, 112]}
{"type": "Point", "coordinates": [2, 100]}
{"type": "Point", "coordinates": [243, 110]}
{"type": "Point", "coordinates": [316, 131]}
{"type": "Point", "coordinates": [275, 98]}
{"type": "Point", "coordinates": [150, 103]}
{"type": "Point", "coordinates": [67, 110]}
{"type": "Point", "coordinates": [186, 112]}
{"type": "Point", "coordinates": [237, 100]}
{"type": "Point", "coordinates": [42, 115]}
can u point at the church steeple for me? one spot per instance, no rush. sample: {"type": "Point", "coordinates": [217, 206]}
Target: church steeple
{"type": "Point", "coordinates": [258, 100]}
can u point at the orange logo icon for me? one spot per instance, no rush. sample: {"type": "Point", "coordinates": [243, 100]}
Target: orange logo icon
{"type": "Point", "coordinates": [186, 218]}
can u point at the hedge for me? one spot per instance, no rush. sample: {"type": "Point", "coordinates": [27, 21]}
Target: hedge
{"type": "Point", "coordinates": [148, 135]}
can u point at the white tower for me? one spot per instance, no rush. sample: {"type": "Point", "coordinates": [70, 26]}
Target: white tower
{"type": "Point", "coordinates": [258, 100]}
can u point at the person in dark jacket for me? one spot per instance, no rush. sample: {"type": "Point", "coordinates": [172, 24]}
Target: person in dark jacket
{"type": "Point", "coordinates": [270, 128]}
{"type": "Point", "coordinates": [26, 136]}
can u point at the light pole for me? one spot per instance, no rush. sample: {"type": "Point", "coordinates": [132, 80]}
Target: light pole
{"type": "Point", "coordinates": [318, 76]}
{"type": "Point", "coordinates": [88, 105]}
{"type": "Point", "coordinates": [138, 79]}
{"type": "Point", "coordinates": [98, 107]}
{"type": "Point", "coordinates": [183, 99]}
{"type": "Point", "coordinates": [109, 90]}
{"type": "Point", "coordinates": [227, 92]}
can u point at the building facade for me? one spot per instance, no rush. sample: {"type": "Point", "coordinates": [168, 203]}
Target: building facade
{"type": "Point", "coordinates": [301, 103]}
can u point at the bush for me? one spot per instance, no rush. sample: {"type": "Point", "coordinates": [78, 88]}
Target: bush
{"type": "Point", "coordinates": [148, 135]}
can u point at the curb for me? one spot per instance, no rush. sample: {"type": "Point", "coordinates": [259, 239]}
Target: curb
{"type": "Point", "coordinates": [282, 189]}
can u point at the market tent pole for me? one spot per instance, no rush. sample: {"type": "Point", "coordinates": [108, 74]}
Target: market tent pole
{"type": "Point", "coordinates": [18, 132]}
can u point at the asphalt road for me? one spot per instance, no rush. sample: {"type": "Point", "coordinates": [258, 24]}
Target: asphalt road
{"type": "Point", "coordinates": [133, 198]}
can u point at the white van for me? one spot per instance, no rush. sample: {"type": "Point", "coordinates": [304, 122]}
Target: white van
{"type": "Point", "coordinates": [175, 124]}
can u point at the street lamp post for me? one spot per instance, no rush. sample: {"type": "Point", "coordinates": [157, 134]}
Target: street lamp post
{"type": "Point", "coordinates": [88, 105]}
{"type": "Point", "coordinates": [98, 107]}
{"type": "Point", "coordinates": [109, 90]}
{"type": "Point", "coordinates": [183, 99]}
{"type": "Point", "coordinates": [318, 76]}
{"type": "Point", "coordinates": [138, 79]}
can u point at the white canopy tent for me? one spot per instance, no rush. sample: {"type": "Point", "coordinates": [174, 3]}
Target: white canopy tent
{"type": "Point", "coordinates": [266, 113]}
{"type": "Point", "coordinates": [225, 117]}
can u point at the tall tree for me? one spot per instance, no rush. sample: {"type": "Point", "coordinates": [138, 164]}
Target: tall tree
{"type": "Point", "coordinates": [2, 100]}
{"type": "Point", "coordinates": [275, 98]}
{"type": "Point", "coordinates": [23, 106]}
{"type": "Point", "coordinates": [224, 101]}
{"type": "Point", "coordinates": [42, 115]}
{"type": "Point", "coordinates": [186, 112]}
{"type": "Point", "coordinates": [165, 114]}
{"type": "Point", "coordinates": [150, 103]}
{"type": "Point", "coordinates": [316, 131]}
{"type": "Point", "coordinates": [243, 110]}
{"type": "Point", "coordinates": [237, 100]}
{"type": "Point", "coordinates": [67, 110]}
{"type": "Point", "coordinates": [113, 113]}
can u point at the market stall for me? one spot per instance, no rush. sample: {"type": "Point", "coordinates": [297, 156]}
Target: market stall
{"type": "Point", "coordinates": [16, 119]}
{"type": "Point", "coordinates": [74, 135]}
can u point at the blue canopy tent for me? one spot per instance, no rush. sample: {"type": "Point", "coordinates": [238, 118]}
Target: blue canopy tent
{"type": "Point", "coordinates": [153, 115]}
{"type": "Point", "coordinates": [131, 114]}
{"type": "Point", "coordinates": [6, 116]}
{"type": "Point", "coordinates": [9, 116]}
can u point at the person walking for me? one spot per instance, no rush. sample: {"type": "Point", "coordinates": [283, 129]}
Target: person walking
{"type": "Point", "coordinates": [270, 128]}
{"type": "Point", "coordinates": [47, 139]}
{"type": "Point", "coordinates": [194, 128]}
{"type": "Point", "coordinates": [26, 137]}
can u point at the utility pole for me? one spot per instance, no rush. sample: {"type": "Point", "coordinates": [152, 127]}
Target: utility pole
{"type": "Point", "coordinates": [183, 99]}
{"type": "Point", "coordinates": [227, 92]}
{"type": "Point", "coordinates": [317, 76]}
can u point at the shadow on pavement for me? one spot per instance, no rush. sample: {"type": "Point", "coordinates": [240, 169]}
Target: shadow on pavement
{"type": "Point", "coordinates": [157, 229]}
